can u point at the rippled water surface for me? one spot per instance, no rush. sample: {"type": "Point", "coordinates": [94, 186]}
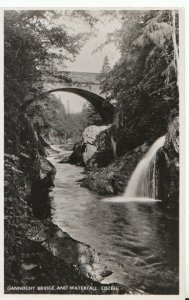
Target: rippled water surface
{"type": "Point", "coordinates": [135, 240]}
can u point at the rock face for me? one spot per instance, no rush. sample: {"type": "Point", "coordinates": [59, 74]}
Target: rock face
{"type": "Point", "coordinates": [167, 163]}
{"type": "Point", "coordinates": [25, 170]}
{"type": "Point", "coordinates": [95, 149]}
{"type": "Point", "coordinates": [112, 180]}
{"type": "Point", "coordinates": [37, 252]}
{"type": "Point", "coordinates": [61, 245]}
{"type": "Point", "coordinates": [77, 155]}
{"type": "Point", "coordinates": [92, 144]}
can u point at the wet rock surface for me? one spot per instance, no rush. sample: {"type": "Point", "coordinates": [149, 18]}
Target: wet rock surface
{"type": "Point", "coordinates": [168, 168]}
{"type": "Point", "coordinates": [111, 180]}
{"type": "Point", "coordinates": [38, 253]}
{"type": "Point", "coordinates": [61, 245]}
{"type": "Point", "coordinates": [76, 157]}
{"type": "Point", "coordinates": [64, 157]}
{"type": "Point", "coordinates": [92, 145]}
{"type": "Point", "coordinates": [95, 149]}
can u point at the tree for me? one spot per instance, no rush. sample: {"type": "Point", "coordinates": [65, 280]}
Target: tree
{"type": "Point", "coordinates": [104, 76]}
{"type": "Point", "coordinates": [35, 43]}
{"type": "Point", "coordinates": [44, 114]}
{"type": "Point", "coordinates": [144, 80]}
{"type": "Point", "coordinates": [162, 31]}
{"type": "Point", "coordinates": [175, 38]}
{"type": "Point", "coordinates": [90, 116]}
{"type": "Point", "coordinates": [105, 66]}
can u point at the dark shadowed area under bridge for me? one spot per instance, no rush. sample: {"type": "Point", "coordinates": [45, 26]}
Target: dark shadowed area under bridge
{"type": "Point", "coordinates": [101, 105]}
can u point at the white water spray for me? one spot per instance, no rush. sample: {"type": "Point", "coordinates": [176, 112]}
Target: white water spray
{"type": "Point", "coordinates": [114, 146]}
{"type": "Point", "coordinates": [143, 180]}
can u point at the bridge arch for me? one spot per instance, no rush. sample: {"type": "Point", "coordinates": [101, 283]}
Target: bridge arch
{"type": "Point", "coordinates": [101, 105]}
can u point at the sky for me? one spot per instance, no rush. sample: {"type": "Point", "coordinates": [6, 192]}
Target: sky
{"type": "Point", "coordinates": [87, 61]}
{"type": "Point", "coordinates": [74, 102]}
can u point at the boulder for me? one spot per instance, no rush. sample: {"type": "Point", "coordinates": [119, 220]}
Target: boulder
{"type": "Point", "coordinates": [77, 155]}
{"type": "Point", "coordinates": [64, 157]}
{"type": "Point", "coordinates": [112, 179]}
{"type": "Point", "coordinates": [98, 150]}
{"type": "Point", "coordinates": [95, 148]}
{"type": "Point", "coordinates": [89, 139]}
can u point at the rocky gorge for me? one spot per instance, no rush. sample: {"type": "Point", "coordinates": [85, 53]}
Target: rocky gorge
{"type": "Point", "coordinates": [27, 209]}
{"type": "Point", "coordinates": [109, 175]}
{"type": "Point", "coordinates": [91, 196]}
{"type": "Point", "coordinates": [38, 253]}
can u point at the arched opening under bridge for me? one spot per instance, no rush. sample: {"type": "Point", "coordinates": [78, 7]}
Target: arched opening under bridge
{"type": "Point", "coordinates": [101, 105]}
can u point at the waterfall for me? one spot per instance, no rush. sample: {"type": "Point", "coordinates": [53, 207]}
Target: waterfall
{"type": "Point", "coordinates": [143, 180]}
{"type": "Point", "coordinates": [114, 146]}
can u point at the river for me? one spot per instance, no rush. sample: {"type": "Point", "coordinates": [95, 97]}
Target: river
{"type": "Point", "coordinates": [136, 241]}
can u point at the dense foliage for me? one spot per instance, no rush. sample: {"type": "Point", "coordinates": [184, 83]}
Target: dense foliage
{"type": "Point", "coordinates": [67, 125]}
{"type": "Point", "coordinates": [103, 77]}
{"type": "Point", "coordinates": [35, 43]}
{"type": "Point", "coordinates": [144, 80]}
{"type": "Point", "coordinates": [144, 83]}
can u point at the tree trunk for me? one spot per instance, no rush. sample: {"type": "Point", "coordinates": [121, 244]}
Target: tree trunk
{"type": "Point", "coordinates": [176, 54]}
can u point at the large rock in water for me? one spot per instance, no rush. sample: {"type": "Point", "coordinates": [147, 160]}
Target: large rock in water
{"type": "Point", "coordinates": [97, 145]}
{"type": "Point", "coordinates": [167, 162]}
{"type": "Point", "coordinates": [112, 179]}
{"type": "Point", "coordinates": [76, 157]}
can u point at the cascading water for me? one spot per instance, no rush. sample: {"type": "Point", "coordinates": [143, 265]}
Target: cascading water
{"type": "Point", "coordinates": [142, 186]}
{"type": "Point", "coordinates": [114, 145]}
{"type": "Point", "coordinates": [143, 180]}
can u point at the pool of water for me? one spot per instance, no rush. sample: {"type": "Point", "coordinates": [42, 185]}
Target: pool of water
{"type": "Point", "coordinates": [136, 241]}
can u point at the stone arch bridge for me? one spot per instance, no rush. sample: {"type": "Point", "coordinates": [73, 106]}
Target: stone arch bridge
{"type": "Point", "coordinates": [83, 84]}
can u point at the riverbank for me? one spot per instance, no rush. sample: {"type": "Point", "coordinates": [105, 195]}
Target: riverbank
{"type": "Point", "coordinates": [37, 253]}
{"type": "Point", "coordinates": [112, 179]}
{"type": "Point", "coordinates": [129, 236]}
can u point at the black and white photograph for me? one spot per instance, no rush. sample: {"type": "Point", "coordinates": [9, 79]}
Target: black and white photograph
{"type": "Point", "coordinates": [91, 151]}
